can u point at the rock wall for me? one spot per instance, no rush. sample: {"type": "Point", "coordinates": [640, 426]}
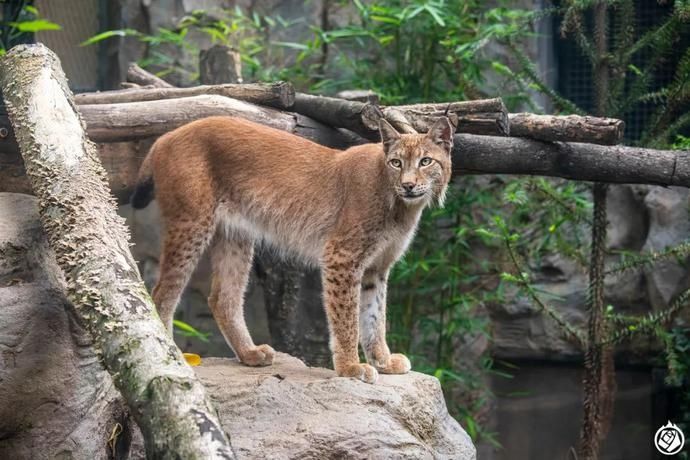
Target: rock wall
{"type": "Point", "coordinates": [56, 400]}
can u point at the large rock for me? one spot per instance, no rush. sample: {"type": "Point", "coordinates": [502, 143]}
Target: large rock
{"type": "Point", "coordinates": [289, 410]}
{"type": "Point", "coordinates": [56, 400]}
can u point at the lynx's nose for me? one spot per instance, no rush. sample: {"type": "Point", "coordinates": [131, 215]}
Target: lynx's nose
{"type": "Point", "coordinates": [408, 186]}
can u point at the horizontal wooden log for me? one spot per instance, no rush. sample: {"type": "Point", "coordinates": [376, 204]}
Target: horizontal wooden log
{"type": "Point", "coordinates": [136, 74]}
{"type": "Point", "coordinates": [483, 116]}
{"type": "Point", "coordinates": [472, 154]}
{"type": "Point", "coordinates": [140, 120]}
{"type": "Point", "coordinates": [569, 128]}
{"type": "Point", "coordinates": [487, 116]}
{"type": "Point", "coordinates": [143, 121]}
{"type": "Point", "coordinates": [280, 95]}
{"type": "Point", "coordinates": [577, 161]}
{"type": "Point", "coordinates": [359, 117]}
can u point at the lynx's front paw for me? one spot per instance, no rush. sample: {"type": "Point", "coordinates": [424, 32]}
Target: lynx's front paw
{"type": "Point", "coordinates": [397, 364]}
{"type": "Point", "coordinates": [261, 355]}
{"type": "Point", "coordinates": [363, 372]}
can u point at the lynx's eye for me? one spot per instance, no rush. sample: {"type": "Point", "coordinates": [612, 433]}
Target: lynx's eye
{"type": "Point", "coordinates": [397, 164]}
{"type": "Point", "coordinates": [426, 161]}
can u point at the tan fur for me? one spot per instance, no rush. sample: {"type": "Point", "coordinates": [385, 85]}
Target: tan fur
{"type": "Point", "coordinates": [227, 182]}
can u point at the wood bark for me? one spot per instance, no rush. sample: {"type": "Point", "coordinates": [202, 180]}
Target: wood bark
{"type": "Point", "coordinates": [359, 117]}
{"type": "Point", "coordinates": [91, 243]}
{"type": "Point", "coordinates": [570, 128]}
{"type": "Point", "coordinates": [484, 116]}
{"type": "Point", "coordinates": [472, 154]}
{"type": "Point", "coordinates": [360, 95]}
{"type": "Point", "coordinates": [220, 64]}
{"type": "Point", "coordinates": [140, 120]}
{"type": "Point", "coordinates": [280, 95]}
{"type": "Point", "coordinates": [576, 161]}
{"type": "Point", "coordinates": [488, 117]}
{"type": "Point", "coordinates": [136, 74]}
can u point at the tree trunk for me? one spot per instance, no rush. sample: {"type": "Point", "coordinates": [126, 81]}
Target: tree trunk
{"type": "Point", "coordinates": [91, 247]}
{"type": "Point", "coordinates": [220, 64]}
{"type": "Point", "coordinates": [280, 95]}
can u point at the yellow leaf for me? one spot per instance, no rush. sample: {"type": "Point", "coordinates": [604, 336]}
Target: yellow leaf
{"type": "Point", "coordinates": [192, 359]}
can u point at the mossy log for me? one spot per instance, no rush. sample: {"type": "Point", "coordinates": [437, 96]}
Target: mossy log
{"type": "Point", "coordinates": [91, 246]}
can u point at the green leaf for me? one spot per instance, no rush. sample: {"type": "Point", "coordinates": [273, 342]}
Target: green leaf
{"type": "Point", "coordinates": [37, 25]}
{"type": "Point", "coordinates": [293, 45]}
{"type": "Point", "coordinates": [190, 331]}
{"type": "Point", "coordinates": [107, 34]}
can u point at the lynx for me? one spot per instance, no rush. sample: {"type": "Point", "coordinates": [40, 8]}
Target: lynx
{"type": "Point", "coordinates": [227, 183]}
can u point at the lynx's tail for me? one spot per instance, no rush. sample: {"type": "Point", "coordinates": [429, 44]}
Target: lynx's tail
{"type": "Point", "coordinates": [143, 191]}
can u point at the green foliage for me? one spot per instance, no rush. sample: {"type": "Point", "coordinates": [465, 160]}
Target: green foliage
{"type": "Point", "coordinates": [24, 20]}
{"type": "Point", "coordinates": [415, 50]}
{"type": "Point", "coordinates": [233, 27]}
{"type": "Point", "coordinates": [186, 330]}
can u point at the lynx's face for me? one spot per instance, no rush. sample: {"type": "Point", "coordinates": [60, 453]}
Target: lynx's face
{"type": "Point", "coordinates": [419, 165]}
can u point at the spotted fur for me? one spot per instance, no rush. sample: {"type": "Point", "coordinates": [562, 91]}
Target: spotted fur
{"type": "Point", "coordinates": [226, 183]}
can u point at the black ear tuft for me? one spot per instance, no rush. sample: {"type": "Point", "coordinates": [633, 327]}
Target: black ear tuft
{"type": "Point", "coordinates": [388, 134]}
{"type": "Point", "coordinates": [441, 133]}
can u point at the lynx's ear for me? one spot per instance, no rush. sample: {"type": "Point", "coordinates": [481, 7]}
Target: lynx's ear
{"type": "Point", "coordinates": [388, 135]}
{"type": "Point", "coordinates": [441, 133]}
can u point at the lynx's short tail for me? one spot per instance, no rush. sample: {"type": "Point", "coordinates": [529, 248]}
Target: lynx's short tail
{"type": "Point", "coordinates": [144, 189]}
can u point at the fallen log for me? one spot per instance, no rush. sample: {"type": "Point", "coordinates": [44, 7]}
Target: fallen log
{"type": "Point", "coordinates": [472, 155]}
{"type": "Point", "coordinates": [280, 95]}
{"type": "Point", "coordinates": [359, 117]}
{"type": "Point", "coordinates": [488, 117]}
{"type": "Point", "coordinates": [91, 243]}
{"type": "Point", "coordinates": [569, 128]}
{"type": "Point", "coordinates": [140, 120]}
{"type": "Point", "coordinates": [576, 161]}
{"type": "Point", "coordinates": [484, 116]}
{"type": "Point", "coordinates": [136, 74]}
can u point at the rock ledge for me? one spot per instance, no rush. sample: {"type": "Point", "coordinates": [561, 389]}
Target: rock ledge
{"type": "Point", "coordinates": [289, 410]}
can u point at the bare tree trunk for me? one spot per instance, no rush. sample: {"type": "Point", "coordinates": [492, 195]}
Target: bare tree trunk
{"type": "Point", "coordinates": [599, 374]}
{"type": "Point", "coordinates": [220, 64]}
{"type": "Point", "coordinates": [91, 247]}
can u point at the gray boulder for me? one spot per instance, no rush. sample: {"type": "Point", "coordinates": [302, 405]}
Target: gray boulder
{"type": "Point", "coordinates": [289, 410]}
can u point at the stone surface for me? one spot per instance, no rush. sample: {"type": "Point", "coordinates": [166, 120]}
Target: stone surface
{"type": "Point", "coordinates": [641, 218]}
{"type": "Point", "coordinates": [56, 400]}
{"type": "Point", "coordinates": [289, 410]}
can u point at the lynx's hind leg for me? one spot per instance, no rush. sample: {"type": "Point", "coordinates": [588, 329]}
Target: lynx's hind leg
{"type": "Point", "coordinates": [183, 244]}
{"type": "Point", "coordinates": [372, 325]}
{"type": "Point", "coordinates": [231, 257]}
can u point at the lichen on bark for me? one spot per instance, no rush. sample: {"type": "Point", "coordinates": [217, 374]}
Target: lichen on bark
{"type": "Point", "coordinates": [90, 242]}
